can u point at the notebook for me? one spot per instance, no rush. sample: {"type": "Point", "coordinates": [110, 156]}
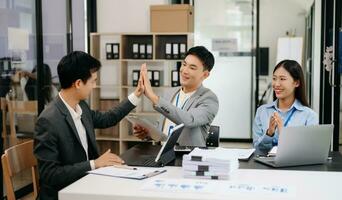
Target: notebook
{"type": "Point", "coordinates": [125, 172]}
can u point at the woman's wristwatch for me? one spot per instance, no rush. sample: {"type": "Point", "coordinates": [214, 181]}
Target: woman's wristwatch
{"type": "Point", "coordinates": [271, 135]}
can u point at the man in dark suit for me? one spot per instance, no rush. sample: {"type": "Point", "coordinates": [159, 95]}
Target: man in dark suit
{"type": "Point", "coordinates": [65, 144]}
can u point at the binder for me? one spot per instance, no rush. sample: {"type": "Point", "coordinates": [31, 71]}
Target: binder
{"type": "Point", "coordinates": [182, 50]}
{"type": "Point", "coordinates": [175, 51]}
{"type": "Point", "coordinates": [109, 52]}
{"type": "Point", "coordinates": [135, 78]}
{"type": "Point", "coordinates": [150, 76]}
{"type": "Point", "coordinates": [175, 78]}
{"type": "Point", "coordinates": [135, 50]}
{"type": "Point", "coordinates": [168, 48]}
{"type": "Point", "coordinates": [142, 51]}
{"type": "Point", "coordinates": [149, 51]}
{"type": "Point", "coordinates": [156, 78]}
{"type": "Point", "coordinates": [115, 50]}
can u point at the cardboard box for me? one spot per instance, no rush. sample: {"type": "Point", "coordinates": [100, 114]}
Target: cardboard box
{"type": "Point", "coordinates": [172, 18]}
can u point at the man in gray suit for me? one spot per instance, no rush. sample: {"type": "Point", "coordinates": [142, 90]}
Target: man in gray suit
{"type": "Point", "coordinates": [192, 104]}
{"type": "Point", "coordinates": [65, 144]}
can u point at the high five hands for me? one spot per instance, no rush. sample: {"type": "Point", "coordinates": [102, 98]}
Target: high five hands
{"type": "Point", "coordinates": [144, 86]}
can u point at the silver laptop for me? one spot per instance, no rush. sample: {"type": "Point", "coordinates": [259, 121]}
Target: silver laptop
{"type": "Point", "coordinates": [304, 145]}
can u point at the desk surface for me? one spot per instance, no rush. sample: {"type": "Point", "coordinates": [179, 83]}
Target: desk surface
{"type": "Point", "coordinates": [301, 182]}
{"type": "Point", "coordinates": [334, 164]}
{"type": "Point", "coordinates": [298, 184]}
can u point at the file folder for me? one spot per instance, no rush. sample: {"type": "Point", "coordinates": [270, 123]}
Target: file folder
{"type": "Point", "coordinates": [150, 76]}
{"type": "Point", "coordinates": [168, 48]}
{"type": "Point", "coordinates": [135, 78]}
{"type": "Point", "coordinates": [149, 51]}
{"type": "Point", "coordinates": [109, 52]}
{"type": "Point", "coordinates": [156, 78]}
{"type": "Point", "coordinates": [175, 78]}
{"type": "Point", "coordinates": [182, 50]}
{"type": "Point", "coordinates": [115, 50]}
{"type": "Point", "coordinates": [135, 50]}
{"type": "Point", "coordinates": [175, 51]}
{"type": "Point", "coordinates": [142, 51]}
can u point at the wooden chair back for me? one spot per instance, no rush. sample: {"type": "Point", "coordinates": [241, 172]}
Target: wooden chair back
{"type": "Point", "coordinates": [15, 160]}
{"type": "Point", "coordinates": [3, 107]}
{"type": "Point", "coordinates": [20, 107]}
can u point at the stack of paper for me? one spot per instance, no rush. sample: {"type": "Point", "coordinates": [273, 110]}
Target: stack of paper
{"type": "Point", "coordinates": [209, 164]}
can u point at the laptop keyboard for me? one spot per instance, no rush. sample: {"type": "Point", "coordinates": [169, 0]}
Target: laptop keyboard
{"type": "Point", "coordinates": [145, 162]}
{"type": "Point", "coordinates": [151, 163]}
{"type": "Point", "coordinates": [149, 160]}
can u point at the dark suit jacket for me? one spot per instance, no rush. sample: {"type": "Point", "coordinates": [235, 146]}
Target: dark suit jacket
{"type": "Point", "coordinates": [58, 149]}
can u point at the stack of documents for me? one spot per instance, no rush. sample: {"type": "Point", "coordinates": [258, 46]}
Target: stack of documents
{"type": "Point", "coordinates": [210, 163]}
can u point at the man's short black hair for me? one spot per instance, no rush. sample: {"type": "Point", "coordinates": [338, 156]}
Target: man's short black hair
{"type": "Point", "coordinates": [204, 55]}
{"type": "Point", "coordinates": [76, 65]}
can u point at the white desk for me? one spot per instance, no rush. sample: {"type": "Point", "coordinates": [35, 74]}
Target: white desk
{"type": "Point", "coordinates": [300, 185]}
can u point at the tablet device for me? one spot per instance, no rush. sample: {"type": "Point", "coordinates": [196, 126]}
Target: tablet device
{"type": "Point", "coordinates": [154, 132]}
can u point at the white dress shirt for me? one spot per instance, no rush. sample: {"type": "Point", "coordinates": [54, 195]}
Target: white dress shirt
{"type": "Point", "coordinates": [76, 116]}
{"type": "Point", "coordinates": [179, 101]}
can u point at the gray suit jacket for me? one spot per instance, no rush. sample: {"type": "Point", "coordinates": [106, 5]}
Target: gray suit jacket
{"type": "Point", "coordinates": [197, 115]}
{"type": "Point", "coordinates": [58, 149]}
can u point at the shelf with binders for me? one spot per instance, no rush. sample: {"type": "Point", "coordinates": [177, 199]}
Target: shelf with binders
{"type": "Point", "coordinates": [116, 76]}
{"type": "Point", "coordinates": [172, 46]}
{"type": "Point", "coordinates": [137, 46]}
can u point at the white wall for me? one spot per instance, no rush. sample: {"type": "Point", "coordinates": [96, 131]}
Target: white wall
{"type": "Point", "coordinates": [125, 15]}
{"type": "Point", "coordinates": [277, 17]}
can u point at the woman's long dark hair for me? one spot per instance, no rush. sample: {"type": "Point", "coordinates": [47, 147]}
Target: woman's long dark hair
{"type": "Point", "coordinates": [296, 72]}
{"type": "Point", "coordinates": [31, 85]}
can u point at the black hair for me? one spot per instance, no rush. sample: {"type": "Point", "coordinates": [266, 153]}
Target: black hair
{"type": "Point", "coordinates": [204, 55]}
{"type": "Point", "coordinates": [31, 85]}
{"type": "Point", "coordinates": [76, 65]}
{"type": "Point", "coordinates": [296, 72]}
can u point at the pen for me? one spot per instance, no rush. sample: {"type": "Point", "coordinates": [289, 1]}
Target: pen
{"type": "Point", "coordinates": [124, 167]}
{"type": "Point", "coordinates": [154, 173]}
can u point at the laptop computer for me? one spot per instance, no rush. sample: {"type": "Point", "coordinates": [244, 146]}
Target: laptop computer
{"type": "Point", "coordinates": [148, 155]}
{"type": "Point", "coordinates": [304, 145]}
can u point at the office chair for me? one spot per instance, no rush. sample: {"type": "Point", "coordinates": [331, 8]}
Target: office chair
{"type": "Point", "coordinates": [15, 160]}
{"type": "Point", "coordinates": [213, 137]}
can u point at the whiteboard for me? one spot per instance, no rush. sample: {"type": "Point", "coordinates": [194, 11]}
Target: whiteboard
{"type": "Point", "coordinates": [290, 48]}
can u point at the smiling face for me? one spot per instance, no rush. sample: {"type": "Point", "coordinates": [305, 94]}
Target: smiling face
{"type": "Point", "coordinates": [84, 89]}
{"type": "Point", "coordinates": [192, 73]}
{"type": "Point", "coordinates": [283, 84]}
